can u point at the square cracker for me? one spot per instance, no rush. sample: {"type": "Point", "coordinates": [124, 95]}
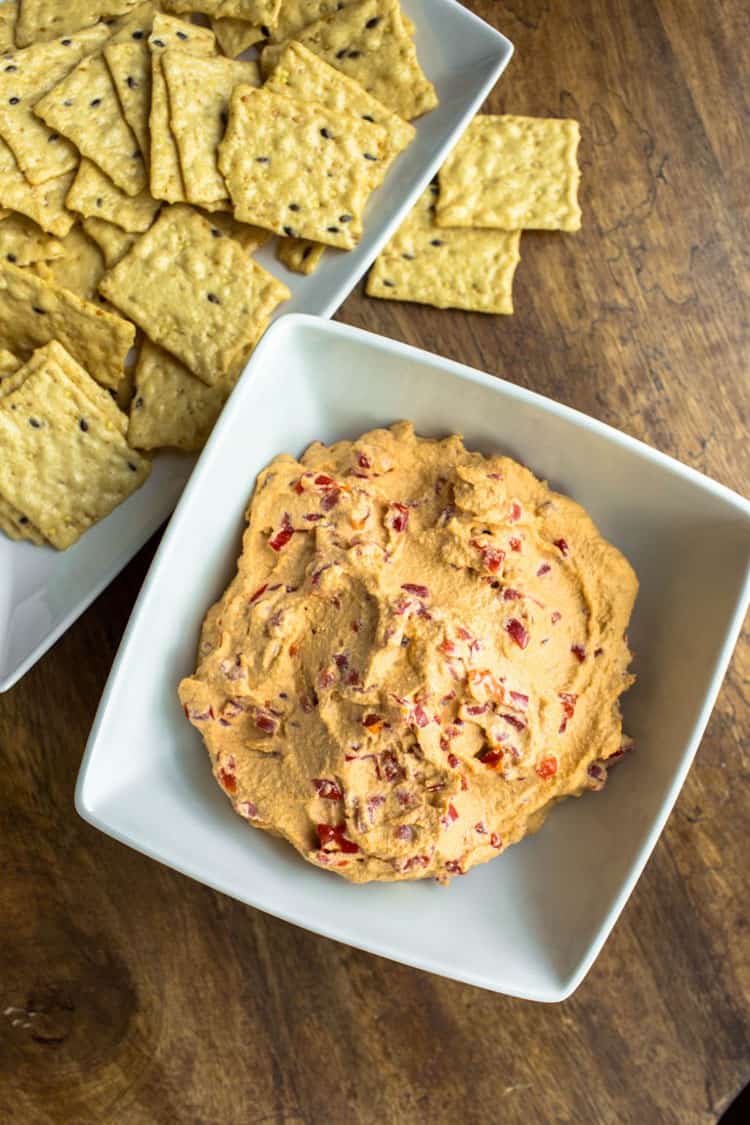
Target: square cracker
{"type": "Point", "coordinates": [43, 203]}
{"type": "Point", "coordinates": [297, 168]}
{"type": "Point", "coordinates": [235, 36]}
{"type": "Point", "coordinates": [368, 41]}
{"type": "Point", "coordinates": [113, 242]}
{"type": "Point", "coordinates": [23, 242]}
{"type": "Point", "coordinates": [42, 20]}
{"type": "Point", "coordinates": [303, 75]}
{"type": "Point", "coordinates": [80, 268]}
{"type": "Point", "coordinates": [199, 92]}
{"type": "Point", "coordinates": [8, 14]}
{"type": "Point", "coordinates": [299, 254]}
{"type": "Point", "coordinates": [202, 297]}
{"type": "Point", "coordinates": [93, 195]}
{"type": "Point", "coordinates": [84, 107]}
{"type": "Point", "coordinates": [513, 173]}
{"type": "Point", "coordinates": [256, 12]}
{"type": "Point", "coordinates": [164, 159]}
{"type": "Point", "coordinates": [33, 312]}
{"type": "Point", "coordinates": [449, 269]}
{"type": "Point", "coordinates": [64, 464]}
{"type": "Point", "coordinates": [100, 400]}
{"type": "Point", "coordinates": [130, 67]}
{"type": "Point", "coordinates": [25, 77]}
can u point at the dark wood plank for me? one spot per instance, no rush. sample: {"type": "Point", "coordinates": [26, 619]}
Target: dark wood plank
{"type": "Point", "coordinates": [131, 995]}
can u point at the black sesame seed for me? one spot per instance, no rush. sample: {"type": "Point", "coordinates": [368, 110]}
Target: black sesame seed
{"type": "Point", "coordinates": [35, 423]}
{"type": "Point", "coordinates": [181, 35]}
{"type": "Point", "coordinates": [53, 137]}
{"type": "Point", "coordinates": [10, 69]}
{"type": "Point", "coordinates": [409, 257]}
{"type": "Point", "coordinates": [66, 42]}
{"type": "Point", "coordinates": [23, 520]}
{"type": "Point", "coordinates": [139, 402]}
{"type": "Point", "coordinates": [42, 312]}
{"type": "Point", "coordinates": [289, 232]}
{"type": "Point", "coordinates": [158, 42]}
{"type": "Point", "coordinates": [354, 54]}
{"type": "Point", "coordinates": [137, 35]}
{"type": "Point", "coordinates": [294, 206]}
{"type": "Point", "coordinates": [262, 159]}
{"type": "Point", "coordinates": [95, 102]}
{"type": "Point", "coordinates": [68, 102]}
{"type": "Point", "coordinates": [265, 31]}
{"type": "Point", "coordinates": [100, 202]}
{"type": "Point", "coordinates": [333, 230]}
{"type": "Point", "coordinates": [216, 233]}
{"type": "Point", "coordinates": [367, 117]}
{"type": "Point", "coordinates": [345, 218]}
{"type": "Point", "coordinates": [369, 156]}
{"type": "Point", "coordinates": [373, 22]}
{"type": "Point", "coordinates": [14, 101]}
{"type": "Point", "coordinates": [132, 467]}
{"type": "Point", "coordinates": [436, 242]}
{"type": "Point", "coordinates": [390, 284]}
{"type": "Point", "coordinates": [325, 133]}
{"type": "Point", "coordinates": [341, 54]}
{"type": "Point", "coordinates": [11, 257]}
{"type": "Point", "coordinates": [213, 299]}
{"type": "Point", "coordinates": [83, 425]}
{"type": "Point", "coordinates": [131, 82]}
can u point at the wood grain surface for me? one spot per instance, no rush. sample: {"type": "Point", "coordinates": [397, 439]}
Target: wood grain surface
{"type": "Point", "coordinates": [130, 995]}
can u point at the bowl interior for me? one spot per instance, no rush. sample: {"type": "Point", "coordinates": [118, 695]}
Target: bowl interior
{"type": "Point", "coordinates": [531, 922]}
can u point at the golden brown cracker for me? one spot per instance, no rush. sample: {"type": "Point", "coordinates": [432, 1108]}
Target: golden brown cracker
{"type": "Point", "coordinates": [42, 203]}
{"type": "Point", "coordinates": [93, 195]}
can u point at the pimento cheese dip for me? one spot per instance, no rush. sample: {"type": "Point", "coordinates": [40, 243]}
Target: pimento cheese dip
{"type": "Point", "coordinates": [422, 650]}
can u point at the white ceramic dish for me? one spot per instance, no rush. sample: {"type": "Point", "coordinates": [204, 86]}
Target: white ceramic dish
{"type": "Point", "coordinates": [531, 922]}
{"type": "Point", "coordinates": [43, 592]}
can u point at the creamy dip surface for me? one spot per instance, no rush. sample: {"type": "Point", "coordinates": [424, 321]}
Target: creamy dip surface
{"type": "Point", "coordinates": [423, 649]}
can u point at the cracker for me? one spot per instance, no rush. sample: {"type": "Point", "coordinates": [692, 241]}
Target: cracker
{"type": "Point", "coordinates": [63, 463]}
{"type": "Point", "coordinates": [113, 242]}
{"type": "Point", "coordinates": [84, 107]}
{"type": "Point", "coordinates": [134, 26]}
{"type": "Point", "coordinates": [43, 203]}
{"type": "Point", "coordinates": [170, 407]}
{"type": "Point", "coordinates": [299, 254]}
{"type": "Point", "coordinates": [299, 169]}
{"type": "Point", "coordinates": [249, 237]}
{"type": "Point", "coordinates": [25, 77]}
{"type": "Point", "coordinates": [23, 242]}
{"type": "Point", "coordinates": [93, 195]}
{"type": "Point", "coordinates": [203, 298]}
{"type": "Point", "coordinates": [100, 401]}
{"type": "Point", "coordinates": [236, 36]}
{"type": "Point", "coordinates": [80, 268]}
{"type": "Point", "coordinates": [368, 41]}
{"type": "Point", "coordinates": [33, 312]}
{"type": "Point", "coordinates": [257, 12]}
{"type": "Point", "coordinates": [303, 75]}
{"type": "Point", "coordinates": [42, 20]}
{"type": "Point", "coordinates": [165, 172]}
{"type": "Point", "coordinates": [130, 67]}
{"type": "Point", "coordinates": [449, 269]}
{"type": "Point", "coordinates": [513, 173]}
{"type": "Point", "coordinates": [18, 526]}
{"type": "Point", "coordinates": [199, 91]}
{"type": "Point", "coordinates": [8, 14]}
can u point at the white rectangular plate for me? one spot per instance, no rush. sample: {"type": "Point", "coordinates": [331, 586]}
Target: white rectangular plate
{"type": "Point", "coordinates": [531, 922]}
{"type": "Point", "coordinates": [43, 592]}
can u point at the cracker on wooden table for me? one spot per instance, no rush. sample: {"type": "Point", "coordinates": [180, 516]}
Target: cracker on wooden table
{"type": "Point", "coordinates": [63, 463]}
{"type": "Point", "coordinates": [23, 242]}
{"type": "Point", "coordinates": [80, 268]}
{"type": "Point", "coordinates": [25, 77]}
{"type": "Point", "coordinates": [43, 203]}
{"type": "Point", "coordinates": [33, 312]}
{"type": "Point", "coordinates": [130, 67]}
{"type": "Point", "coordinates": [249, 237]}
{"type": "Point", "coordinates": [513, 173]}
{"type": "Point", "coordinates": [298, 168]}
{"type": "Point", "coordinates": [449, 269]}
{"type": "Point", "coordinates": [301, 74]}
{"type": "Point", "coordinates": [256, 12]}
{"type": "Point", "coordinates": [84, 107]}
{"type": "Point", "coordinates": [236, 36]}
{"type": "Point", "coordinates": [93, 195]}
{"type": "Point", "coordinates": [164, 159]}
{"type": "Point", "coordinates": [368, 41]}
{"type": "Point", "coordinates": [8, 13]}
{"type": "Point", "coordinates": [113, 242]}
{"type": "Point", "coordinates": [299, 254]}
{"type": "Point", "coordinates": [202, 297]}
{"type": "Point", "coordinates": [199, 90]}
{"type": "Point", "coordinates": [41, 20]}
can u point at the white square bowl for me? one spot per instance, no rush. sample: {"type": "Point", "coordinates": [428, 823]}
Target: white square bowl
{"type": "Point", "coordinates": [531, 922]}
{"type": "Point", "coordinates": [43, 591]}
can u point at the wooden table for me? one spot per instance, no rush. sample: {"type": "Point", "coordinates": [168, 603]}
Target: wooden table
{"type": "Point", "coordinates": [158, 1000]}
